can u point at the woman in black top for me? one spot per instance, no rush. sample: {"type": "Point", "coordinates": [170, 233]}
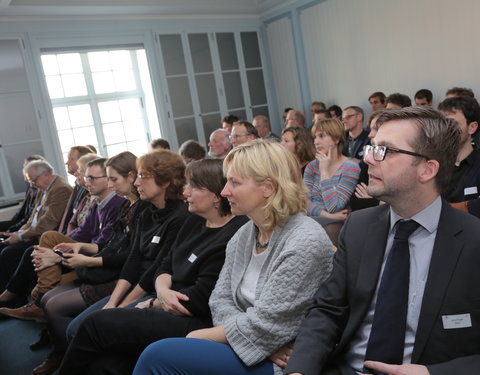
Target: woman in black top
{"type": "Point", "coordinates": [113, 339]}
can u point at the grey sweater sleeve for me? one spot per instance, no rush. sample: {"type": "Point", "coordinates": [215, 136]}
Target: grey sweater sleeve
{"type": "Point", "coordinates": [299, 260]}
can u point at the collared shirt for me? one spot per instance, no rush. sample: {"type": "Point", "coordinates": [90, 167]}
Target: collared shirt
{"type": "Point", "coordinates": [421, 244]}
{"type": "Point", "coordinates": [465, 182]}
{"type": "Point", "coordinates": [42, 201]}
{"type": "Point", "coordinates": [105, 200]}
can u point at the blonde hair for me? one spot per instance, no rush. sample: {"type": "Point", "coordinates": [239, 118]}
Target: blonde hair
{"type": "Point", "coordinates": [334, 128]}
{"type": "Point", "coordinates": [259, 160]}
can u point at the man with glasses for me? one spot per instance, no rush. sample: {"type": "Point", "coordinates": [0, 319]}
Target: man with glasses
{"type": "Point", "coordinates": [402, 298]}
{"type": "Point", "coordinates": [97, 228]}
{"type": "Point", "coordinates": [242, 131]}
{"type": "Point", "coordinates": [357, 137]}
{"type": "Point", "coordinates": [50, 203]}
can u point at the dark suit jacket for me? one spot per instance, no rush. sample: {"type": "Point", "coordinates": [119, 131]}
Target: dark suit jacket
{"type": "Point", "coordinates": [453, 287]}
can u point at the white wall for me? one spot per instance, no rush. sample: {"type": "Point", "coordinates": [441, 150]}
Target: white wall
{"type": "Point", "coordinates": [353, 48]}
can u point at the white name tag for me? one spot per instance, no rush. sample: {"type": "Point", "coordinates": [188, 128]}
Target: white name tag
{"type": "Point", "coordinates": [456, 321]}
{"type": "Point", "coordinates": [192, 258]}
{"type": "Point", "coordinates": [155, 239]}
{"type": "Point", "coordinates": [470, 190]}
{"type": "Point", "coordinates": [74, 211]}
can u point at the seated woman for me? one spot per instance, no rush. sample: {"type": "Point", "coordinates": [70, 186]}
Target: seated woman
{"type": "Point", "coordinates": [274, 265]}
{"type": "Point", "coordinates": [300, 142]}
{"type": "Point", "coordinates": [330, 178]}
{"type": "Point", "coordinates": [183, 283]}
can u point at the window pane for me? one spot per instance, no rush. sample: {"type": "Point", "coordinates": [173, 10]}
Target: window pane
{"type": "Point", "coordinates": [185, 129]}
{"type": "Point", "coordinates": [251, 52]}
{"type": "Point", "coordinates": [120, 60]}
{"type": "Point", "coordinates": [233, 89]}
{"type": "Point", "coordinates": [260, 111]}
{"type": "Point", "coordinates": [240, 113]}
{"type": "Point", "coordinates": [180, 96]}
{"type": "Point", "coordinates": [124, 80]}
{"type": "Point", "coordinates": [207, 93]}
{"type": "Point", "coordinates": [70, 63]}
{"type": "Point", "coordinates": [103, 82]}
{"type": "Point", "coordinates": [50, 66]}
{"type": "Point", "coordinates": [116, 149]}
{"type": "Point", "coordinates": [134, 130]}
{"type": "Point", "coordinates": [130, 109]}
{"type": "Point", "coordinates": [62, 120]}
{"type": "Point", "coordinates": [200, 51]}
{"type": "Point", "coordinates": [227, 51]}
{"type": "Point", "coordinates": [113, 133]}
{"type": "Point", "coordinates": [138, 147]}
{"type": "Point", "coordinates": [173, 57]}
{"type": "Point", "coordinates": [109, 111]}
{"type": "Point", "coordinates": [84, 136]}
{"type": "Point", "coordinates": [99, 61]}
{"type": "Point", "coordinates": [55, 87]}
{"type": "Point", "coordinates": [210, 123]}
{"type": "Point", "coordinates": [80, 115]}
{"type": "Point", "coordinates": [66, 139]}
{"type": "Point", "coordinates": [256, 86]}
{"type": "Point", "coordinates": [74, 85]}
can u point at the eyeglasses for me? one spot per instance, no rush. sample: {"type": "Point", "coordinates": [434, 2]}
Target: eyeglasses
{"type": "Point", "coordinates": [33, 181]}
{"type": "Point", "coordinates": [93, 178]}
{"type": "Point", "coordinates": [144, 176]}
{"type": "Point", "coordinates": [344, 118]}
{"type": "Point", "coordinates": [379, 152]}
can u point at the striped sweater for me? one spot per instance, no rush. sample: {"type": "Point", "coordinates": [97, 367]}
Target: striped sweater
{"type": "Point", "coordinates": [331, 194]}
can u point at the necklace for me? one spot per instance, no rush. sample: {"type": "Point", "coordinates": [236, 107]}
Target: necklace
{"type": "Point", "coordinates": [259, 244]}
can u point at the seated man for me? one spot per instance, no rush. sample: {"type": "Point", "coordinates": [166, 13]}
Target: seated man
{"type": "Point", "coordinates": [219, 145]}
{"type": "Point", "coordinates": [380, 312]}
{"type": "Point", "coordinates": [50, 203]}
{"type": "Point", "coordinates": [242, 131]}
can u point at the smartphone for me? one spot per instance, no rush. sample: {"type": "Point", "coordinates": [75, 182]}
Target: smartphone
{"type": "Point", "coordinates": [58, 252]}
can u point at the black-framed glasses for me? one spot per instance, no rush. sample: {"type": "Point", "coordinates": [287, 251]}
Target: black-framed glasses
{"type": "Point", "coordinates": [379, 152]}
{"type": "Point", "coordinates": [93, 178]}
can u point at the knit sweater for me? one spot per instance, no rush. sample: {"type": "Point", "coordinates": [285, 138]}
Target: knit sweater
{"type": "Point", "coordinates": [299, 260]}
{"type": "Point", "coordinates": [331, 194]}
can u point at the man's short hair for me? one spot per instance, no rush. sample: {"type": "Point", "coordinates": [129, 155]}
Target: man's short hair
{"type": "Point", "coordinates": [424, 94]}
{"type": "Point", "coordinates": [356, 109]}
{"type": "Point", "coordinates": [40, 166]}
{"type": "Point", "coordinates": [438, 138]}
{"type": "Point", "coordinates": [335, 108]}
{"type": "Point", "coordinates": [321, 104]}
{"type": "Point", "coordinates": [326, 112]}
{"type": "Point", "coordinates": [101, 162]}
{"type": "Point", "coordinates": [401, 100]}
{"type": "Point", "coordinates": [298, 115]}
{"type": "Point", "coordinates": [160, 143]}
{"type": "Point", "coordinates": [251, 130]}
{"type": "Point", "coordinates": [30, 158]}
{"type": "Point", "coordinates": [230, 119]}
{"type": "Point", "coordinates": [378, 94]}
{"type": "Point", "coordinates": [192, 149]}
{"type": "Point", "coordinates": [460, 91]}
{"type": "Point", "coordinates": [468, 105]}
{"type": "Point", "coordinates": [82, 150]}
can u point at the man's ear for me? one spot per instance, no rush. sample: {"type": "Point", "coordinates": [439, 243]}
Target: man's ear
{"type": "Point", "coordinates": [429, 171]}
{"type": "Point", "coordinates": [472, 127]}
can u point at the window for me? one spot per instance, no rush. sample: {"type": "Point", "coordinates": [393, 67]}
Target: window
{"type": "Point", "coordinates": [102, 98]}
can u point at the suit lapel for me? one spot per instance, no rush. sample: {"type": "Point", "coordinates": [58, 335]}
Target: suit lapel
{"type": "Point", "coordinates": [447, 248]}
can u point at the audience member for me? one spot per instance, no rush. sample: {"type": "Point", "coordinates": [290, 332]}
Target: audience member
{"type": "Point", "coordinates": [228, 121]}
{"type": "Point", "coordinates": [183, 283]}
{"type": "Point", "coordinates": [262, 124]}
{"type": "Point", "coordinates": [357, 136]}
{"type": "Point", "coordinates": [321, 114]}
{"type": "Point", "coordinates": [219, 144]}
{"type": "Point", "coordinates": [397, 101]}
{"type": "Point", "coordinates": [285, 112]}
{"type": "Point", "coordinates": [50, 202]}
{"type": "Point", "coordinates": [331, 177]}
{"type": "Point", "coordinates": [242, 132]}
{"type": "Point", "coordinates": [300, 143]}
{"type": "Point", "coordinates": [274, 265]}
{"type": "Point", "coordinates": [191, 150]}
{"type": "Point", "coordinates": [335, 112]}
{"type": "Point", "coordinates": [294, 118]}
{"type": "Point", "coordinates": [459, 91]}
{"type": "Point", "coordinates": [377, 101]}
{"type": "Point", "coordinates": [423, 97]}
{"type": "Point", "coordinates": [464, 187]}
{"type": "Point", "coordinates": [368, 317]}
{"type": "Point", "coordinates": [159, 144]}
{"type": "Point", "coordinates": [316, 106]}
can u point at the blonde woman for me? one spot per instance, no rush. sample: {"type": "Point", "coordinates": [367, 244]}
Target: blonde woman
{"type": "Point", "coordinates": [274, 264]}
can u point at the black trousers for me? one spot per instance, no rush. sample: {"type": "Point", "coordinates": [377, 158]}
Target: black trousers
{"type": "Point", "coordinates": [110, 341]}
{"type": "Point", "coordinates": [10, 257]}
{"type": "Point", "coordinates": [24, 277]}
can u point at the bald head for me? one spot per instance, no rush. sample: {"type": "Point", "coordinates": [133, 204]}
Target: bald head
{"type": "Point", "coordinates": [262, 124]}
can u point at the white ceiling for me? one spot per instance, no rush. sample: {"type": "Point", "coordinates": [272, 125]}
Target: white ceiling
{"type": "Point", "coordinates": [85, 8]}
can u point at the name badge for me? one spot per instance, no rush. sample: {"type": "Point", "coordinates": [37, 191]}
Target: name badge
{"type": "Point", "coordinates": [456, 321]}
{"type": "Point", "coordinates": [127, 229]}
{"type": "Point", "coordinates": [470, 190]}
{"type": "Point", "coordinates": [74, 211]}
{"type": "Point", "coordinates": [192, 258]}
{"type": "Point", "coordinates": [155, 239]}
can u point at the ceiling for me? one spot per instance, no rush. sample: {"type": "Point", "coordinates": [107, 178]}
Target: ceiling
{"type": "Point", "coordinates": [152, 8]}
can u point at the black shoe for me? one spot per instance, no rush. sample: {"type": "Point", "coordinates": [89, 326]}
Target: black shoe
{"type": "Point", "coordinates": [43, 341]}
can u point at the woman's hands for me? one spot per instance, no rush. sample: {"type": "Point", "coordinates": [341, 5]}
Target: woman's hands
{"type": "Point", "coordinates": [74, 247]}
{"type": "Point", "coordinates": [361, 191]}
{"type": "Point", "coordinates": [339, 215]}
{"type": "Point", "coordinates": [282, 355]}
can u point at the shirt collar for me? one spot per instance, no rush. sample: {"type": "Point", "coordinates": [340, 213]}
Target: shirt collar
{"type": "Point", "coordinates": [105, 200]}
{"type": "Point", "coordinates": [428, 218]}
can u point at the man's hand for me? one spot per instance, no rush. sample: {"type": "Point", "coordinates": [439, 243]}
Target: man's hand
{"type": "Point", "coordinates": [170, 302]}
{"type": "Point", "coordinates": [407, 369]}
{"type": "Point", "coordinates": [43, 257]}
{"type": "Point", "coordinates": [12, 238]}
{"type": "Point", "coordinates": [75, 260]}
{"type": "Point", "coordinates": [282, 355]}
{"type": "Point", "coordinates": [74, 247]}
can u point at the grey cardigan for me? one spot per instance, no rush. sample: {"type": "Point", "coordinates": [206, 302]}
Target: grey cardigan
{"type": "Point", "coordinates": [299, 260]}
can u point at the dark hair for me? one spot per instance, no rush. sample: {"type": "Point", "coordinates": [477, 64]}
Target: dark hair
{"type": "Point", "coordinates": [82, 150]}
{"type": "Point", "coordinates": [101, 162]}
{"type": "Point", "coordinates": [287, 109]}
{"type": "Point", "coordinates": [438, 138]}
{"type": "Point", "coordinates": [251, 130]}
{"type": "Point", "coordinates": [336, 109]}
{"type": "Point", "coordinates": [468, 105]}
{"type": "Point", "coordinates": [401, 100]}
{"type": "Point", "coordinates": [124, 163]}
{"type": "Point", "coordinates": [192, 149]}
{"type": "Point", "coordinates": [230, 119]}
{"type": "Point", "coordinates": [324, 111]}
{"type": "Point", "coordinates": [304, 148]}
{"type": "Point", "coordinates": [208, 174]}
{"type": "Point", "coordinates": [424, 94]}
{"type": "Point", "coordinates": [34, 157]}
{"type": "Point", "coordinates": [166, 167]}
{"type": "Point", "coordinates": [321, 104]}
{"type": "Point", "coordinates": [375, 115]}
{"type": "Point", "coordinates": [460, 91]}
{"type": "Point", "coordinates": [357, 110]}
{"type": "Point", "coordinates": [160, 143]}
{"type": "Point", "coordinates": [378, 94]}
